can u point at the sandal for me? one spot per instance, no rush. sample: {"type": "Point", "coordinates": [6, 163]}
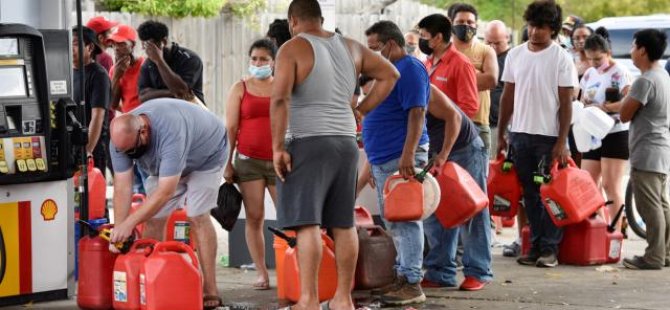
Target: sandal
{"type": "Point", "coordinates": [325, 305]}
{"type": "Point", "coordinates": [210, 298]}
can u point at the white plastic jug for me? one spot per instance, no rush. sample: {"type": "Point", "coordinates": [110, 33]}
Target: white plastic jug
{"type": "Point", "coordinates": [577, 111]}
{"type": "Point", "coordinates": [596, 122]}
{"type": "Point", "coordinates": [582, 138]}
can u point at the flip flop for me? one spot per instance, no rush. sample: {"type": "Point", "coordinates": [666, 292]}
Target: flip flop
{"type": "Point", "coordinates": [325, 305]}
{"type": "Point", "coordinates": [261, 286]}
{"type": "Point", "coordinates": [209, 298]}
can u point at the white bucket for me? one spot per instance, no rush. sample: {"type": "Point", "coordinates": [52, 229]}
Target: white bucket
{"type": "Point", "coordinates": [577, 111]}
{"type": "Point", "coordinates": [582, 138]}
{"type": "Point", "coordinates": [596, 122]}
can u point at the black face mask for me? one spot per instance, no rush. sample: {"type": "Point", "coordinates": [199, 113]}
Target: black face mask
{"type": "Point", "coordinates": [424, 47]}
{"type": "Point", "coordinates": [138, 150]}
{"type": "Point", "coordinates": [464, 33]}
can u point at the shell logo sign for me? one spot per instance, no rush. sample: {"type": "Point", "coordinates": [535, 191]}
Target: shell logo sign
{"type": "Point", "coordinates": [49, 210]}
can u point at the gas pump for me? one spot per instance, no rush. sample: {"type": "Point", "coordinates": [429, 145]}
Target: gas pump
{"type": "Point", "coordinates": [38, 133]}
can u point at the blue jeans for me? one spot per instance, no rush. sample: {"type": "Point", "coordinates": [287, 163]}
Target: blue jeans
{"type": "Point", "coordinates": [407, 236]}
{"type": "Point", "coordinates": [476, 233]}
{"type": "Point", "coordinates": [528, 150]}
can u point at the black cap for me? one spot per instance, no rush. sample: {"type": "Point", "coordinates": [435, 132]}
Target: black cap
{"type": "Point", "coordinates": [89, 38]}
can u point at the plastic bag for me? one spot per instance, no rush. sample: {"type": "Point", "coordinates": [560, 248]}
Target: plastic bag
{"type": "Point", "coordinates": [229, 204]}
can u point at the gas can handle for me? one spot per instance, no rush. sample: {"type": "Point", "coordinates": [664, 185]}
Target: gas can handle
{"type": "Point", "coordinates": [91, 164]}
{"type": "Point", "coordinates": [141, 243]}
{"type": "Point", "coordinates": [176, 246]}
{"type": "Point", "coordinates": [554, 166]}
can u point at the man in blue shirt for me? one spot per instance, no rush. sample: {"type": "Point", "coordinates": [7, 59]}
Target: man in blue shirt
{"type": "Point", "coordinates": [395, 139]}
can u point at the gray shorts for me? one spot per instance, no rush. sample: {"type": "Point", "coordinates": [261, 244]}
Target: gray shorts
{"type": "Point", "coordinates": [197, 192]}
{"type": "Point", "coordinates": [321, 187]}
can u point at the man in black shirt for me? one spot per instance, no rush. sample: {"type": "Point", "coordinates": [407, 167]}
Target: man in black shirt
{"type": "Point", "coordinates": [97, 92]}
{"type": "Point", "coordinates": [170, 70]}
{"type": "Point", "coordinates": [497, 36]}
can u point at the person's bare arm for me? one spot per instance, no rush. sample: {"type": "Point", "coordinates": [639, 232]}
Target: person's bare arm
{"type": "Point", "coordinates": [628, 109]}
{"type": "Point", "coordinates": [177, 86]}
{"type": "Point", "coordinates": [151, 93]}
{"type": "Point", "coordinates": [382, 72]}
{"type": "Point", "coordinates": [285, 75]}
{"type": "Point", "coordinates": [158, 198]}
{"type": "Point", "coordinates": [232, 125]}
{"type": "Point", "coordinates": [123, 191]}
{"type": "Point", "coordinates": [488, 78]}
{"type": "Point", "coordinates": [95, 128]}
{"type": "Point", "coordinates": [505, 114]}
{"type": "Point", "coordinates": [443, 108]}
{"type": "Point", "coordinates": [560, 151]}
{"type": "Point", "coordinates": [415, 121]}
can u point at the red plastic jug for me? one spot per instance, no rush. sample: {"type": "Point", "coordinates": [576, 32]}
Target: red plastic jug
{"type": "Point", "coordinates": [403, 199]}
{"type": "Point", "coordinates": [178, 228]}
{"type": "Point", "coordinates": [137, 202]}
{"type": "Point", "coordinates": [280, 246]}
{"type": "Point", "coordinates": [461, 196]}
{"type": "Point", "coordinates": [584, 243]}
{"type": "Point", "coordinates": [525, 240]}
{"type": "Point", "coordinates": [96, 267]}
{"type": "Point", "coordinates": [504, 188]}
{"type": "Point", "coordinates": [127, 274]}
{"type": "Point", "coordinates": [508, 222]}
{"type": "Point", "coordinates": [571, 195]}
{"type": "Point", "coordinates": [169, 281]}
{"type": "Point", "coordinates": [362, 217]}
{"type": "Point", "coordinates": [97, 191]}
{"type": "Point", "coordinates": [327, 272]}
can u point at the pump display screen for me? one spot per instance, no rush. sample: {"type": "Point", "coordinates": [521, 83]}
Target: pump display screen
{"type": "Point", "coordinates": [9, 47]}
{"type": "Point", "coordinates": [13, 82]}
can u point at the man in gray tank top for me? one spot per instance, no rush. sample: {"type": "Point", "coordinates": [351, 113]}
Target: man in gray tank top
{"type": "Point", "coordinates": [314, 142]}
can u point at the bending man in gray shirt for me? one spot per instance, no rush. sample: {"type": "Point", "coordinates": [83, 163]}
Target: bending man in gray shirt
{"type": "Point", "coordinates": [183, 149]}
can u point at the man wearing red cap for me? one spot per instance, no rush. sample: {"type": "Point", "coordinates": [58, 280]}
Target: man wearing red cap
{"type": "Point", "coordinates": [126, 70]}
{"type": "Point", "coordinates": [102, 28]}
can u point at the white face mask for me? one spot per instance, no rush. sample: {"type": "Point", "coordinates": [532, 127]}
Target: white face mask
{"type": "Point", "coordinates": [261, 73]}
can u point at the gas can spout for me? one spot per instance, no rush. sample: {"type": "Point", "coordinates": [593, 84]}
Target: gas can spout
{"type": "Point", "coordinates": [292, 241]}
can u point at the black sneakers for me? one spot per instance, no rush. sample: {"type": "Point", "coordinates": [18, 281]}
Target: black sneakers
{"type": "Point", "coordinates": [638, 263]}
{"type": "Point", "coordinates": [548, 259]}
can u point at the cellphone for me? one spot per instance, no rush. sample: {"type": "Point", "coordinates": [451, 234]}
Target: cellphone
{"type": "Point", "coordinates": [612, 94]}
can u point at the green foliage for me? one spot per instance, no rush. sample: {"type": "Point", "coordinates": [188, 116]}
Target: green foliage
{"type": "Point", "coordinates": [511, 11]}
{"type": "Point", "coordinates": [184, 8]}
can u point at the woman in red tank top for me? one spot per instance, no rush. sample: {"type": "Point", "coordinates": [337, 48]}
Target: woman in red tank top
{"type": "Point", "coordinates": [248, 123]}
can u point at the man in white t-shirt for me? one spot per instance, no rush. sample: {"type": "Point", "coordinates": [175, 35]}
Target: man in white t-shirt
{"type": "Point", "coordinates": [539, 78]}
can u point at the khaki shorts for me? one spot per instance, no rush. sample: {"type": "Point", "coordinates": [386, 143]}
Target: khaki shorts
{"type": "Point", "coordinates": [197, 191]}
{"type": "Point", "coordinates": [252, 169]}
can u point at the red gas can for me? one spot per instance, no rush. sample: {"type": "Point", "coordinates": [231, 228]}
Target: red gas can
{"type": "Point", "coordinates": [96, 266]}
{"type": "Point", "coordinates": [362, 217]}
{"type": "Point", "coordinates": [584, 243]}
{"type": "Point", "coordinates": [327, 272]}
{"type": "Point", "coordinates": [614, 246]}
{"type": "Point", "coordinates": [403, 199]}
{"type": "Point", "coordinates": [137, 202]}
{"type": "Point", "coordinates": [571, 195]}
{"type": "Point", "coordinates": [97, 191]}
{"type": "Point", "coordinates": [178, 228]}
{"type": "Point", "coordinates": [461, 196]}
{"type": "Point", "coordinates": [504, 188]}
{"type": "Point", "coordinates": [525, 240]}
{"type": "Point", "coordinates": [168, 280]}
{"type": "Point", "coordinates": [127, 274]}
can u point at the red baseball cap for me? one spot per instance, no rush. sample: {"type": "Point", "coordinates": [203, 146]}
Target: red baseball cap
{"type": "Point", "coordinates": [123, 33]}
{"type": "Point", "coordinates": [99, 24]}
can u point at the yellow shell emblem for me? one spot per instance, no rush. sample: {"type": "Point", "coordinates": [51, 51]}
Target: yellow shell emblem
{"type": "Point", "coordinates": [49, 210]}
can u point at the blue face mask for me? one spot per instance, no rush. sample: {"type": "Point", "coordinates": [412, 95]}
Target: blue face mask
{"type": "Point", "coordinates": [260, 73]}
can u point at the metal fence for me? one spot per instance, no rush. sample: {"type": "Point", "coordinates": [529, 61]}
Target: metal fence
{"type": "Point", "coordinates": [223, 42]}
